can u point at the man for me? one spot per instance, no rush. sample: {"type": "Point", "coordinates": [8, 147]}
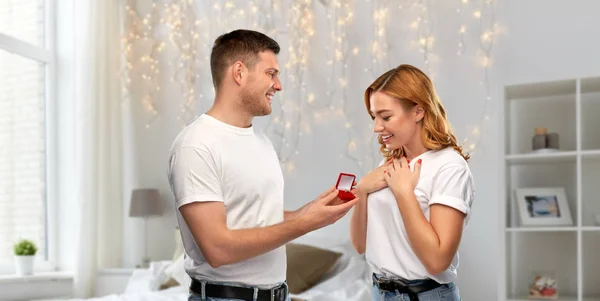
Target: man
{"type": "Point", "coordinates": [228, 184]}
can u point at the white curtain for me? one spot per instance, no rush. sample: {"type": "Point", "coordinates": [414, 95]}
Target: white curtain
{"type": "Point", "coordinates": [98, 140]}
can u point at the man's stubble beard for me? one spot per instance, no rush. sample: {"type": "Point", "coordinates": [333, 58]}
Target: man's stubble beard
{"type": "Point", "coordinates": [255, 103]}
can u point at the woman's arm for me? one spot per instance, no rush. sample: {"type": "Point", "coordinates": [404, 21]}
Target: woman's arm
{"type": "Point", "coordinates": [372, 182]}
{"type": "Point", "coordinates": [435, 242]}
{"type": "Point", "coordinates": [358, 224]}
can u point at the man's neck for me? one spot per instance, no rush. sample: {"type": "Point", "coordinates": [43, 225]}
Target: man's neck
{"type": "Point", "coordinates": [228, 112]}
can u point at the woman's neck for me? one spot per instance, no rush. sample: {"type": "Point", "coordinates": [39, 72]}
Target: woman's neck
{"type": "Point", "coordinates": [413, 150]}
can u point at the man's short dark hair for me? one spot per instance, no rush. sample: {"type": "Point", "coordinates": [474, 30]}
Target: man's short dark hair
{"type": "Point", "coordinates": [238, 45]}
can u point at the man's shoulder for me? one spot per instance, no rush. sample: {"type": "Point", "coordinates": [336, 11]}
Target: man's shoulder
{"type": "Point", "coordinates": [197, 134]}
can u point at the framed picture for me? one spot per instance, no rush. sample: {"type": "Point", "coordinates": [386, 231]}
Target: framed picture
{"type": "Point", "coordinates": [545, 206]}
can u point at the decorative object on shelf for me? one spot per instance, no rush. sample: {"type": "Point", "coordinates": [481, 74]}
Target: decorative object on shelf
{"type": "Point", "coordinates": [543, 206]}
{"type": "Point", "coordinates": [25, 251]}
{"type": "Point", "coordinates": [145, 202]}
{"type": "Point", "coordinates": [543, 288]}
{"type": "Point", "coordinates": [539, 139]}
{"type": "Point", "coordinates": [544, 142]}
{"type": "Point", "coordinates": [552, 140]}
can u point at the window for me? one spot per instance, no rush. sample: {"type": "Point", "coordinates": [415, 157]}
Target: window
{"type": "Point", "coordinates": [26, 69]}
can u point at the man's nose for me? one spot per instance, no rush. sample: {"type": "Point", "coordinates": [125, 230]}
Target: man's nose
{"type": "Point", "coordinates": [277, 86]}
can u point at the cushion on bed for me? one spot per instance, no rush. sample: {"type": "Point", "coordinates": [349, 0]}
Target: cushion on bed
{"type": "Point", "coordinates": [175, 275]}
{"type": "Point", "coordinates": [306, 265]}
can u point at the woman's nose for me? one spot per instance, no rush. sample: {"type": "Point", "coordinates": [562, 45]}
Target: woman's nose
{"type": "Point", "coordinates": [377, 127]}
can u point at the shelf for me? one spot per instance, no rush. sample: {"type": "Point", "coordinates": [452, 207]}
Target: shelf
{"type": "Point", "coordinates": [590, 173]}
{"type": "Point", "coordinates": [590, 106]}
{"type": "Point", "coordinates": [526, 116]}
{"type": "Point", "coordinates": [590, 85]}
{"type": "Point", "coordinates": [552, 229]}
{"type": "Point", "coordinates": [538, 90]}
{"type": "Point", "coordinates": [568, 156]}
{"type": "Point", "coordinates": [560, 298]}
{"type": "Point", "coordinates": [590, 245]}
{"type": "Point", "coordinates": [590, 154]}
{"type": "Point", "coordinates": [569, 108]}
{"type": "Point", "coordinates": [541, 229]}
{"type": "Point", "coordinates": [590, 228]}
{"type": "Point", "coordinates": [525, 298]}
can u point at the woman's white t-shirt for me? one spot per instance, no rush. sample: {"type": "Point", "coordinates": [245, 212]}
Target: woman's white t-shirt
{"type": "Point", "coordinates": [445, 179]}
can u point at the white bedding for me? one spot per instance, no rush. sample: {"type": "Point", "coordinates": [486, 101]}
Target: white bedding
{"type": "Point", "coordinates": [348, 280]}
{"type": "Point", "coordinates": [164, 295]}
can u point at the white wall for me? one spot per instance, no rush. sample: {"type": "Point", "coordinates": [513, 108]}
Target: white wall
{"type": "Point", "coordinates": [550, 40]}
{"type": "Point", "coordinates": [458, 82]}
{"type": "Point", "coordinates": [541, 40]}
{"type": "Point", "coordinates": [36, 287]}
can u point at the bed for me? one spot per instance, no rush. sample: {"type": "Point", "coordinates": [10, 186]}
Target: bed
{"type": "Point", "coordinates": [347, 278]}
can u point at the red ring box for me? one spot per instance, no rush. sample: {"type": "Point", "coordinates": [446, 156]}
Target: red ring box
{"type": "Point", "coordinates": [344, 184]}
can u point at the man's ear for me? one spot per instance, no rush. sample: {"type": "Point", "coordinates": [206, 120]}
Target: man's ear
{"type": "Point", "coordinates": [238, 72]}
{"type": "Point", "coordinates": [419, 113]}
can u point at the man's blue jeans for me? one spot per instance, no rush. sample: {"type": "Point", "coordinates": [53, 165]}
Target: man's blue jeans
{"type": "Point", "coordinates": [197, 296]}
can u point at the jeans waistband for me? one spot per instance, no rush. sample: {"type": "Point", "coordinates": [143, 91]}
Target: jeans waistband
{"type": "Point", "coordinates": [216, 289]}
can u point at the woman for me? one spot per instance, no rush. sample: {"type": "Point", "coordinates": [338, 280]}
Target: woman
{"type": "Point", "coordinates": [413, 207]}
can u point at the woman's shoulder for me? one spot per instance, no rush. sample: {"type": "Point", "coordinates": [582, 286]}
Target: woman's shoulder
{"type": "Point", "coordinates": [449, 157]}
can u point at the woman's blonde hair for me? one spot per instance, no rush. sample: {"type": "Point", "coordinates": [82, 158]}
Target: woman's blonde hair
{"type": "Point", "coordinates": [412, 87]}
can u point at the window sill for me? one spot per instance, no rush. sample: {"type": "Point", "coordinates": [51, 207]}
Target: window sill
{"type": "Point", "coordinates": [37, 277]}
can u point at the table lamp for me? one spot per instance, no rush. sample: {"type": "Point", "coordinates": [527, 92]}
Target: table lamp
{"type": "Point", "coordinates": [145, 202]}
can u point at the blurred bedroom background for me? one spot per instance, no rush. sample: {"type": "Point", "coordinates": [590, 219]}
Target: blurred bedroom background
{"type": "Point", "coordinates": [92, 94]}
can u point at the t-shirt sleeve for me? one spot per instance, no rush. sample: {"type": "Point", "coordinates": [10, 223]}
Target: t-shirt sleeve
{"type": "Point", "coordinates": [453, 187]}
{"type": "Point", "coordinates": [194, 176]}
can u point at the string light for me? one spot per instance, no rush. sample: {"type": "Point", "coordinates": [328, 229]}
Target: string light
{"type": "Point", "coordinates": [463, 27]}
{"type": "Point", "coordinates": [487, 34]}
{"type": "Point", "coordinates": [142, 65]}
{"type": "Point", "coordinates": [172, 41]}
{"type": "Point", "coordinates": [300, 31]}
{"type": "Point", "coordinates": [181, 21]}
{"type": "Point", "coordinates": [425, 39]}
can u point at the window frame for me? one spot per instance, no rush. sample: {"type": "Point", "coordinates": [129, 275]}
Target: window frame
{"type": "Point", "coordinates": [46, 54]}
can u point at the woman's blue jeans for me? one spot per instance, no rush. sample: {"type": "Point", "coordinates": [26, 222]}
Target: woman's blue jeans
{"type": "Point", "coordinates": [445, 292]}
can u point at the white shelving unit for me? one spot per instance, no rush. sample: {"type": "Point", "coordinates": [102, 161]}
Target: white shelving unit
{"type": "Point", "coordinates": [571, 253]}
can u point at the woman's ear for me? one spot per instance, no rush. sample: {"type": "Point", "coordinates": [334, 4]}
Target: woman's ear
{"type": "Point", "coordinates": [419, 113]}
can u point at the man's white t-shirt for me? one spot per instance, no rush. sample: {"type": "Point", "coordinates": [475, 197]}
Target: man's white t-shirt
{"type": "Point", "coordinates": [214, 161]}
{"type": "Point", "coordinates": [445, 179]}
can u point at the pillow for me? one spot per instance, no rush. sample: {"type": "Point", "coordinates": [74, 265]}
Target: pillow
{"type": "Point", "coordinates": [175, 275]}
{"type": "Point", "coordinates": [169, 284]}
{"type": "Point", "coordinates": [306, 265]}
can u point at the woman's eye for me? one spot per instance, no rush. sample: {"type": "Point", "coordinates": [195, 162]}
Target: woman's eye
{"type": "Point", "coordinates": [386, 118]}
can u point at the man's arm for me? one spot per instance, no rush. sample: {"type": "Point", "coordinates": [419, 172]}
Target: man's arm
{"type": "Point", "coordinates": [222, 246]}
{"type": "Point", "coordinates": [289, 215]}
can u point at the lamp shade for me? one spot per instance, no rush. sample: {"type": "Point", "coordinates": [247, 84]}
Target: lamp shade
{"type": "Point", "coordinates": [144, 202]}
